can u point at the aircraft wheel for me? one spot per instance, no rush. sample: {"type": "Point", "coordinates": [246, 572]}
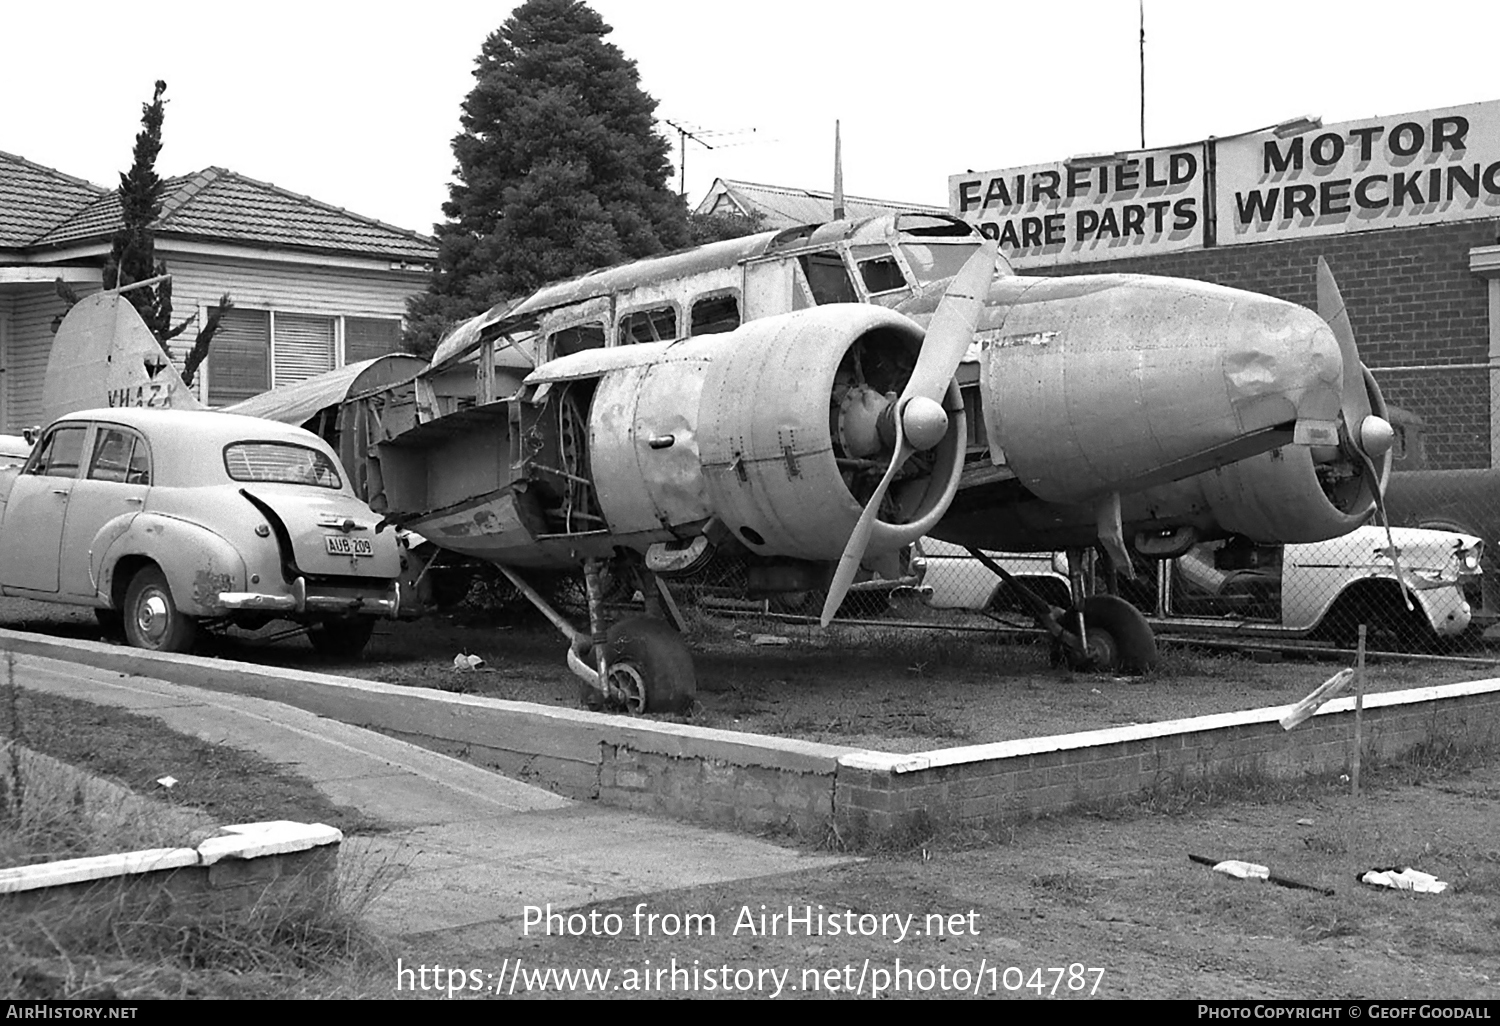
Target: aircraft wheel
{"type": "Point", "coordinates": [341, 639]}
{"type": "Point", "coordinates": [1119, 638]}
{"type": "Point", "coordinates": [152, 619]}
{"type": "Point", "coordinates": [651, 666]}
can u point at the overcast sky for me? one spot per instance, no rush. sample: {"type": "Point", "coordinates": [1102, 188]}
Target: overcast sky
{"type": "Point", "coordinates": [356, 103]}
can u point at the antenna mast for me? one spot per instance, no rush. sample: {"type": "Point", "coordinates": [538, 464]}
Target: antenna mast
{"type": "Point", "coordinates": [683, 135]}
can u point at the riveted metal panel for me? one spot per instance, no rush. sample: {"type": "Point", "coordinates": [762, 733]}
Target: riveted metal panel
{"type": "Point", "coordinates": [643, 436]}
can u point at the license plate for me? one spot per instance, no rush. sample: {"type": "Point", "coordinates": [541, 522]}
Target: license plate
{"type": "Point", "coordinates": [343, 545]}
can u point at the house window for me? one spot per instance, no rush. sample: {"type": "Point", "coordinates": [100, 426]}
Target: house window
{"type": "Point", "coordinates": [301, 347]}
{"type": "Point", "coordinates": [257, 350]}
{"type": "Point", "coordinates": [365, 338]}
{"type": "Point", "coordinates": [239, 359]}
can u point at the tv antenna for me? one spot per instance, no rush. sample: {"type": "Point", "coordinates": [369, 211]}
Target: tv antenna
{"type": "Point", "coordinates": [700, 136]}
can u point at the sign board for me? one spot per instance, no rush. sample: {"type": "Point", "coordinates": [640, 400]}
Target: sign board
{"type": "Point", "coordinates": [1143, 204]}
{"type": "Point", "coordinates": [1388, 172]}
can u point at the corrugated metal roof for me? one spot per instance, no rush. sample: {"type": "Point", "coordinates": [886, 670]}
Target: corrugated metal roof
{"type": "Point", "coordinates": [33, 198]}
{"type": "Point", "coordinates": [223, 206]}
{"type": "Point", "coordinates": [783, 206]}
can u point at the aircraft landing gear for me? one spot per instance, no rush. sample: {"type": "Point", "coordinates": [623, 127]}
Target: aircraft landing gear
{"type": "Point", "coordinates": [639, 665]}
{"type": "Point", "coordinates": [1102, 633]}
{"type": "Point", "coordinates": [1119, 640]}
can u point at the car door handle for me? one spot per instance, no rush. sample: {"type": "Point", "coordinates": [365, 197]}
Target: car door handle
{"type": "Point", "coordinates": [135, 499]}
{"type": "Point", "coordinates": [60, 491]}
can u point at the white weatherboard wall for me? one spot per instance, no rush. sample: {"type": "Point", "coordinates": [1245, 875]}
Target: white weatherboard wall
{"type": "Point", "coordinates": [367, 288]}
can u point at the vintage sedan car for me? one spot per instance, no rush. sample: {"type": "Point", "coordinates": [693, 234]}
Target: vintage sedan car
{"type": "Point", "coordinates": [164, 519]}
{"type": "Point", "coordinates": [1323, 589]}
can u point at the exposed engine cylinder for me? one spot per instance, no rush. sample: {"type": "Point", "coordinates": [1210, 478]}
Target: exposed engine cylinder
{"type": "Point", "coordinates": [776, 461]}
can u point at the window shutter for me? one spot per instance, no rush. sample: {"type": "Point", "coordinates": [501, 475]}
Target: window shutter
{"type": "Point", "coordinates": [367, 337]}
{"type": "Point", "coordinates": [239, 360]}
{"type": "Point", "coordinates": [304, 347]}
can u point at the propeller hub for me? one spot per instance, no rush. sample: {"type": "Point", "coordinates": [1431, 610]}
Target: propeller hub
{"type": "Point", "coordinates": [1376, 436]}
{"type": "Point", "coordinates": [924, 422]}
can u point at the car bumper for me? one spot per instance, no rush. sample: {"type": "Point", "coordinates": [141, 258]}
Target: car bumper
{"type": "Point", "coordinates": [301, 601]}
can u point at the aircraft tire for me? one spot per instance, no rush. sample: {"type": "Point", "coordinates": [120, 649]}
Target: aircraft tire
{"type": "Point", "coordinates": [648, 660]}
{"type": "Point", "coordinates": [1120, 640]}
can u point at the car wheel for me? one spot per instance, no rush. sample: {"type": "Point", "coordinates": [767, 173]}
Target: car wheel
{"type": "Point", "coordinates": [152, 619]}
{"type": "Point", "coordinates": [650, 665]}
{"type": "Point", "coordinates": [342, 639]}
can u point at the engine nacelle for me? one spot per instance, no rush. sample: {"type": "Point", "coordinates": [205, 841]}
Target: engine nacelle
{"type": "Point", "coordinates": [773, 463]}
{"type": "Point", "coordinates": [1091, 384]}
{"type": "Point", "coordinates": [1297, 494]}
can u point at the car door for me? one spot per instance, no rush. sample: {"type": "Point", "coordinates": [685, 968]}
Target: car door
{"type": "Point", "coordinates": [110, 492]}
{"type": "Point", "coordinates": [38, 506]}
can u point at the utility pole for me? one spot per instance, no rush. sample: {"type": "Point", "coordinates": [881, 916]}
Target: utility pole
{"type": "Point", "coordinates": [1143, 73]}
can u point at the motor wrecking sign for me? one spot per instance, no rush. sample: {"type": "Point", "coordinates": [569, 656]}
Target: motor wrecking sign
{"type": "Point", "coordinates": [1390, 172]}
{"type": "Point", "coordinates": [1140, 204]}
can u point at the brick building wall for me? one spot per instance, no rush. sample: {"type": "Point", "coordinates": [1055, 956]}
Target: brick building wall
{"type": "Point", "coordinates": [1412, 301]}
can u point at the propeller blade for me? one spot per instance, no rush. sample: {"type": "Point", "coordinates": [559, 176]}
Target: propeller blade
{"type": "Point", "coordinates": [947, 340]}
{"type": "Point", "coordinates": [854, 551]}
{"type": "Point", "coordinates": [1332, 309]}
{"type": "Point", "coordinates": [1385, 522]}
{"type": "Point", "coordinates": [952, 327]}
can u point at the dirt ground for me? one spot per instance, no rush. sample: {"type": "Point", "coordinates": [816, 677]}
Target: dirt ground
{"type": "Point", "coordinates": [883, 688]}
{"type": "Point", "coordinates": [1101, 905]}
{"type": "Point", "coordinates": [1077, 907]}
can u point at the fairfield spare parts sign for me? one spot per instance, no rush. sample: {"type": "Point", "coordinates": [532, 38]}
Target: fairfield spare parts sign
{"type": "Point", "coordinates": [1391, 172]}
{"type": "Point", "coordinates": [1043, 215]}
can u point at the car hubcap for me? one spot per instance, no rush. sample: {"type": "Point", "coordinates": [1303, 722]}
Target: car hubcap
{"type": "Point", "coordinates": [152, 617]}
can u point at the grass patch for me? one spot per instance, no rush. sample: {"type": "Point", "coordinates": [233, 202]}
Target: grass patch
{"type": "Point", "coordinates": [119, 944]}
{"type": "Point", "coordinates": [230, 785]}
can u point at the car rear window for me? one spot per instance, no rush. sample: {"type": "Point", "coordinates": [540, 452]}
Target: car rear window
{"type": "Point", "coordinates": [281, 462]}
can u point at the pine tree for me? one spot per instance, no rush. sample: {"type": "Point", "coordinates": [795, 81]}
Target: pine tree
{"type": "Point", "coordinates": [132, 256]}
{"type": "Point", "coordinates": [560, 169]}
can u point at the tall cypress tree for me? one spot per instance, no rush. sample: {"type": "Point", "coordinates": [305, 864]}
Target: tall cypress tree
{"type": "Point", "coordinates": [559, 169]}
{"type": "Point", "coordinates": [132, 255]}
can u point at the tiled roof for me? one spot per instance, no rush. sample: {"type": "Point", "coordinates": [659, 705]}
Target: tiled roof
{"type": "Point", "coordinates": [34, 198]}
{"type": "Point", "coordinates": [222, 206]}
{"type": "Point", "coordinates": [783, 207]}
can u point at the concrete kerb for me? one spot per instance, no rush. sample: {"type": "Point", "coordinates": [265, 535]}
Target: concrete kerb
{"type": "Point", "coordinates": [756, 781]}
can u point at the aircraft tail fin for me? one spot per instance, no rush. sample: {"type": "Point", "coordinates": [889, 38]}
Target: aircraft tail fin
{"type": "Point", "coordinates": [104, 355]}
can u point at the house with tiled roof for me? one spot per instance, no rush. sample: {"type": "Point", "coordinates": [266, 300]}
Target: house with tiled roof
{"type": "Point", "coordinates": [314, 286]}
{"type": "Point", "coordinates": [782, 206]}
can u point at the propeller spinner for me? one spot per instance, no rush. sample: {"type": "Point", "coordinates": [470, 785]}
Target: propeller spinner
{"type": "Point", "coordinates": [920, 421]}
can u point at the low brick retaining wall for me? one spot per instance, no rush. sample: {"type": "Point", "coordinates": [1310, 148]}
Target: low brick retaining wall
{"type": "Point", "coordinates": [757, 782]}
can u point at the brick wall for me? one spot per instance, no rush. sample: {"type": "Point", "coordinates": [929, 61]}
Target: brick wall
{"type": "Point", "coordinates": [1412, 300]}
{"type": "Point", "coordinates": [891, 796]}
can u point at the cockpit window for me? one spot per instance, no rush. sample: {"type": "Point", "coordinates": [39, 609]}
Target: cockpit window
{"type": "Point", "coordinates": [934, 263]}
{"type": "Point", "coordinates": [881, 275]}
{"type": "Point", "coordinates": [828, 278]}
